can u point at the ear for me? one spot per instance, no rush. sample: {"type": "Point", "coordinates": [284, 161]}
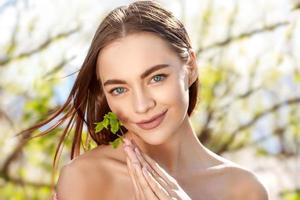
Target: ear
{"type": "Point", "coordinates": [192, 67]}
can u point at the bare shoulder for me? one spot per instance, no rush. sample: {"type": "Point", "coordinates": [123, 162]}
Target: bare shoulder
{"type": "Point", "coordinates": [87, 176]}
{"type": "Point", "coordinates": [243, 184]}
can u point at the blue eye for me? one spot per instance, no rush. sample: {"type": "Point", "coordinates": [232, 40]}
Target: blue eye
{"type": "Point", "coordinates": [159, 77]}
{"type": "Point", "coordinates": [119, 90]}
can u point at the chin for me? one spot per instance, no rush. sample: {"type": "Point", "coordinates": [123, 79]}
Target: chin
{"type": "Point", "coordinates": [157, 137]}
{"type": "Point", "coordinates": [154, 141]}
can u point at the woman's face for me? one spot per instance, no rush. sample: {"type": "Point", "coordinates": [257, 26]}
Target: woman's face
{"type": "Point", "coordinates": [143, 77]}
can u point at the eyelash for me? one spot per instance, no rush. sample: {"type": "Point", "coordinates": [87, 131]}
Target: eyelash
{"type": "Point", "coordinates": [162, 75]}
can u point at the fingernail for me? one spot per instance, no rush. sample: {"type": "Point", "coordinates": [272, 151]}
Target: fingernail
{"type": "Point", "coordinates": [148, 168]}
{"type": "Point", "coordinates": [126, 148]}
{"type": "Point", "coordinates": [127, 142]}
{"type": "Point", "coordinates": [145, 171]}
{"type": "Point", "coordinates": [137, 151]}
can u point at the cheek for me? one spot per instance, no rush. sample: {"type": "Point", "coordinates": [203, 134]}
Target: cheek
{"type": "Point", "coordinates": [122, 116]}
{"type": "Point", "coordinates": [175, 92]}
{"type": "Point", "coordinates": [117, 108]}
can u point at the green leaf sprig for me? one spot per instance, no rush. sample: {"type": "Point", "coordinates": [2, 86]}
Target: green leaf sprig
{"type": "Point", "coordinates": [111, 121]}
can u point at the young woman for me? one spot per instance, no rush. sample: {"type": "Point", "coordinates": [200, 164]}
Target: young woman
{"type": "Point", "coordinates": [142, 67]}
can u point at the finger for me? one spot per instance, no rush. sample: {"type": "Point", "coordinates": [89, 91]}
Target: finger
{"type": "Point", "coordinates": [160, 171]}
{"type": "Point", "coordinates": [131, 155]}
{"type": "Point", "coordinates": [160, 191]}
{"type": "Point", "coordinates": [130, 158]}
{"type": "Point", "coordinates": [141, 180]}
{"type": "Point", "coordinates": [152, 171]}
{"type": "Point", "coordinates": [139, 155]}
{"type": "Point", "coordinates": [169, 180]}
{"type": "Point", "coordinates": [130, 171]}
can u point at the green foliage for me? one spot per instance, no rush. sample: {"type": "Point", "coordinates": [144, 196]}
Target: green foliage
{"type": "Point", "coordinates": [87, 142]}
{"type": "Point", "coordinates": [261, 152]}
{"type": "Point", "coordinates": [116, 142]}
{"type": "Point", "coordinates": [110, 119]}
{"type": "Point", "coordinates": [38, 106]}
{"type": "Point", "coordinates": [293, 120]}
{"type": "Point", "coordinates": [297, 77]}
{"type": "Point", "coordinates": [19, 192]}
{"type": "Point", "coordinates": [218, 97]}
{"type": "Point", "coordinates": [291, 195]}
{"type": "Point", "coordinates": [210, 78]}
{"type": "Point", "coordinates": [241, 140]}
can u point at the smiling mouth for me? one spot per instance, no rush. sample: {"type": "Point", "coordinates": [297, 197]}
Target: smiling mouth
{"type": "Point", "coordinates": [152, 123]}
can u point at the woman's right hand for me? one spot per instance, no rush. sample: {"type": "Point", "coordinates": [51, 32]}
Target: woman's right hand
{"type": "Point", "coordinates": [149, 179]}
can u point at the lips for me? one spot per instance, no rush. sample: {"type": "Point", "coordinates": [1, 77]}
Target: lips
{"type": "Point", "coordinates": [153, 122]}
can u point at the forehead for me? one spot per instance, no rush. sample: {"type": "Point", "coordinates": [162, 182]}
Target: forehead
{"type": "Point", "coordinates": [133, 53]}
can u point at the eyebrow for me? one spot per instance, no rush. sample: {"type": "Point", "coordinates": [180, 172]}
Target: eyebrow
{"type": "Point", "coordinates": [143, 75]}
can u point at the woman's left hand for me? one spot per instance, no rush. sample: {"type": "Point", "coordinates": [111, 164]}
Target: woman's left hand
{"type": "Point", "coordinates": [149, 179]}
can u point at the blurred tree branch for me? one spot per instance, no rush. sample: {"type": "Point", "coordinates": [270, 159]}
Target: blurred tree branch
{"type": "Point", "coordinates": [272, 109]}
{"type": "Point", "coordinates": [58, 67]}
{"type": "Point", "coordinates": [296, 7]}
{"type": "Point", "coordinates": [42, 46]}
{"type": "Point", "coordinates": [7, 58]}
{"type": "Point", "coordinates": [14, 155]}
{"type": "Point", "coordinates": [21, 182]}
{"type": "Point", "coordinates": [3, 115]}
{"type": "Point", "coordinates": [213, 110]}
{"type": "Point", "coordinates": [7, 4]}
{"type": "Point", "coordinates": [205, 133]}
{"type": "Point", "coordinates": [241, 36]}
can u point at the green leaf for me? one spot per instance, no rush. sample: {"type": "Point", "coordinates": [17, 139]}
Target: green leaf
{"type": "Point", "coordinates": [112, 116]}
{"type": "Point", "coordinates": [114, 126]}
{"type": "Point", "coordinates": [99, 127]}
{"type": "Point", "coordinates": [116, 142]}
{"type": "Point", "coordinates": [105, 122]}
{"type": "Point", "coordinates": [110, 119]}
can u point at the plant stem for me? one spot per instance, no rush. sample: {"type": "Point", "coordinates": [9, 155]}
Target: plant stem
{"type": "Point", "coordinates": [121, 135]}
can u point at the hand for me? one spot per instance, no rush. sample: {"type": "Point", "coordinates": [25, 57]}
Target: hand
{"type": "Point", "coordinates": [149, 179]}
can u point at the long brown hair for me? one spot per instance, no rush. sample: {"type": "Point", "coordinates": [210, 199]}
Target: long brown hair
{"type": "Point", "coordinates": [86, 103]}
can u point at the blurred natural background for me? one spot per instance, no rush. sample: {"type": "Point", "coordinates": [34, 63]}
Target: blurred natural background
{"type": "Point", "coordinates": [249, 62]}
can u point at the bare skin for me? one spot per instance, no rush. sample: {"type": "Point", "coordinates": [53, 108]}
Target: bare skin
{"type": "Point", "coordinates": [103, 172]}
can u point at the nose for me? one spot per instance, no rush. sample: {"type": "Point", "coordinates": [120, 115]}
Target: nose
{"type": "Point", "coordinates": [143, 101]}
